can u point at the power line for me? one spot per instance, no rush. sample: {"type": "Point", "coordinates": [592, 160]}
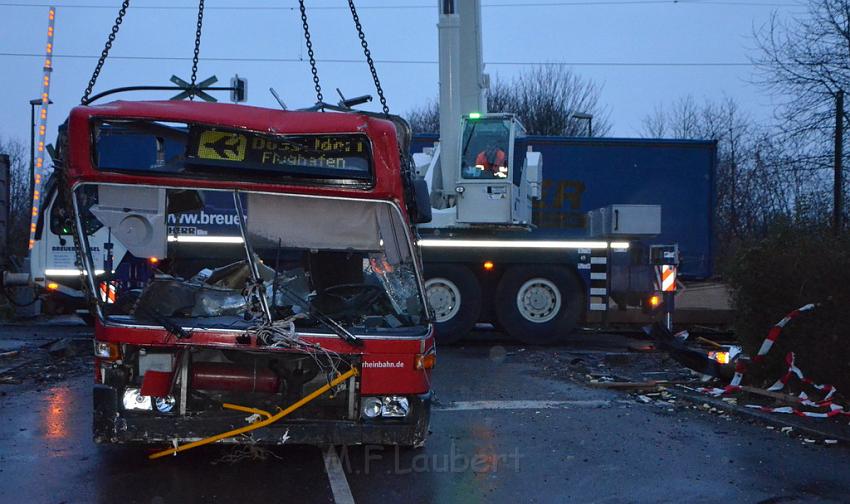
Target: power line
{"type": "Point", "coordinates": [404, 61]}
{"type": "Point", "coordinates": [574, 3]}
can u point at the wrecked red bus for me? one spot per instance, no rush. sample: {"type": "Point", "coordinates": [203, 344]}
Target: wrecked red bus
{"type": "Point", "coordinates": [306, 325]}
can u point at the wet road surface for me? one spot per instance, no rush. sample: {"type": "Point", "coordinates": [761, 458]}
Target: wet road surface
{"type": "Point", "coordinates": [501, 432]}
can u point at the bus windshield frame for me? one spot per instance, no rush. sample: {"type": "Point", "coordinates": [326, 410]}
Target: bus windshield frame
{"type": "Point", "coordinates": [194, 150]}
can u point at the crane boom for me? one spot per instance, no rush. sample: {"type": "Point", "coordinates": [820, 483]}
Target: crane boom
{"type": "Point", "coordinates": [477, 176]}
{"type": "Point", "coordinates": [463, 84]}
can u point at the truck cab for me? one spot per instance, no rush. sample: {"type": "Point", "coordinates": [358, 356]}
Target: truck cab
{"type": "Point", "coordinates": [54, 268]}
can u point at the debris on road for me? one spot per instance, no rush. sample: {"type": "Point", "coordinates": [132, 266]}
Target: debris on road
{"type": "Point", "coordinates": [787, 398]}
{"type": "Point", "coordinates": [48, 362]}
{"type": "Point", "coordinates": [628, 385]}
{"type": "Point", "coordinates": [644, 375]}
{"type": "Point", "coordinates": [67, 347]}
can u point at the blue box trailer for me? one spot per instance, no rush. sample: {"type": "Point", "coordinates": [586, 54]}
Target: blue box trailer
{"type": "Point", "coordinates": [582, 174]}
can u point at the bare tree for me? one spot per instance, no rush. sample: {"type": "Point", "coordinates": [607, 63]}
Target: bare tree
{"type": "Point", "coordinates": [425, 119]}
{"type": "Point", "coordinates": [805, 61]}
{"type": "Point", "coordinates": [19, 188]}
{"type": "Point", "coordinates": [546, 100]}
{"type": "Point", "coordinates": [680, 120]}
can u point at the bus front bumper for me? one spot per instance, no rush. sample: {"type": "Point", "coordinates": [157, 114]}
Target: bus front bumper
{"type": "Point", "coordinates": [114, 425]}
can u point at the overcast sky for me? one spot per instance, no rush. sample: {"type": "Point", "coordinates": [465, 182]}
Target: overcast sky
{"type": "Point", "coordinates": [633, 48]}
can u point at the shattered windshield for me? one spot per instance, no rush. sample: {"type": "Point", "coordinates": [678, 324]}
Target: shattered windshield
{"type": "Point", "coordinates": [178, 256]}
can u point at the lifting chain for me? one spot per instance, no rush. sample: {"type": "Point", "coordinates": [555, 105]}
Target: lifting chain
{"type": "Point", "coordinates": [197, 49]}
{"type": "Point", "coordinates": [310, 54]}
{"type": "Point", "coordinates": [105, 52]}
{"type": "Point", "coordinates": [368, 55]}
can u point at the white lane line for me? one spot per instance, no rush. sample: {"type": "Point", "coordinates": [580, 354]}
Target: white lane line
{"type": "Point", "coordinates": [520, 405]}
{"type": "Point", "coordinates": [336, 477]}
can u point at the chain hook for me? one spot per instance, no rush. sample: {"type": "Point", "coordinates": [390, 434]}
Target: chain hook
{"type": "Point", "coordinates": [197, 53]}
{"type": "Point", "coordinates": [100, 61]}
{"type": "Point", "coordinates": [319, 97]}
{"type": "Point", "coordinates": [368, 55]}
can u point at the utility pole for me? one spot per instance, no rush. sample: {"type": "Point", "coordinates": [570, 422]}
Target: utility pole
{"type": "Point", "coordinates": [838, 193]}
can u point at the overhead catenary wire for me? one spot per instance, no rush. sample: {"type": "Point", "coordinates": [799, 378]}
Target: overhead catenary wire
{"type": "Point", "coordinates": [499, 5]}
{"type": "Point", "coordinates": [684, 64]}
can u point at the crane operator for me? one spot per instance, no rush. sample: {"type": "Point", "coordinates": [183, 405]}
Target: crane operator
{"type": "Point", "coordinates": [492, 161]}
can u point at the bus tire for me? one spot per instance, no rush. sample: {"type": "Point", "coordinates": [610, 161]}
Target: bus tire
{"type": "Point", "coordinates": [539, 304]}
{"type": "Point", "coordinates": [454, 297]}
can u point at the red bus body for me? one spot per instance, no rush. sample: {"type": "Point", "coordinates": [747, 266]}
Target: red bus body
{"type": "Point", "coordinates": [231, 365]}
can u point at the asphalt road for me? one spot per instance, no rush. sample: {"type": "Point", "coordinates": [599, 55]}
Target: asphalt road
{"type": "Point", "coordinates": [501, 432]}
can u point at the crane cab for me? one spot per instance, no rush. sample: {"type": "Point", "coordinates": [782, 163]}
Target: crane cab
{"type": "Point", "coordinates": [497, 181]}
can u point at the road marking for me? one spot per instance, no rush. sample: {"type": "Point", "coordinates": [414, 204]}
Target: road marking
{"type": "Point", "coordinates": [520, 405]}
{"type": "Point", "coordinates": [336, 477]}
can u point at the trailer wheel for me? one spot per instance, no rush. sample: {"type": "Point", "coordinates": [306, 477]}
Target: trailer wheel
{"type": "Point", "coordinates": [539, 304]}
{"type": "Point", "coordinates": [455, 299]}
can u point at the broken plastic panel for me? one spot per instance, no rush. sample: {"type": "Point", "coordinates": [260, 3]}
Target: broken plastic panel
{"type": "Point", "coordinates": [136, 217]}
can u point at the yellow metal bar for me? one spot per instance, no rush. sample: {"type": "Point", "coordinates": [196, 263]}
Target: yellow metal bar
{"type": "Point", "coordinates": [257, 425]}
{"type": "Point", "coordinates": [246, 409]}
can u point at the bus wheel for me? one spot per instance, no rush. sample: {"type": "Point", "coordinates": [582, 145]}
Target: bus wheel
{"type": "Point", "coordinates": [539, 304]}
{"type": "Point", "coordinates": [455, 300]}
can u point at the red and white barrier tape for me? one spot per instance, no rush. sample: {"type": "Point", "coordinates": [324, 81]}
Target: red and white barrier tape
{"type": "Point", "coordinates": [827, 403]}
{"type": "Point", "coordinates": [776, 330]}
{"type": "Point", "coordinates": [793, 370]}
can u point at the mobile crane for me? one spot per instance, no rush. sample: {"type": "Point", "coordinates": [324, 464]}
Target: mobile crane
{"type": "Point", "coordinates": [482, 264]}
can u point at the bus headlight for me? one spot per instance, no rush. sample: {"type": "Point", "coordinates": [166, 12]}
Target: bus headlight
{"type": "Point", "coordinates": [386, 407]}
{"type": "Point", "coordinates": [371, 407]}
{"type": "Point", "coordinates": [395, 407]}
{"type": "Point", "coordinates": [107, 350]}
{"type": "Point", "coordinates": [134, 400]}
{"type": "Point", "coordinates": [165, 404]}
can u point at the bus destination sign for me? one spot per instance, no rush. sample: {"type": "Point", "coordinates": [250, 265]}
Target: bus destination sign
{"type": "Point", "coordinates": [327, 156]}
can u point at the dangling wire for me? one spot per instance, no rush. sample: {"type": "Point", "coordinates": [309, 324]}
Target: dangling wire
{"type": "Point", "coordinates": [109, 40]}
{"type": "Point", "coordinates": [368, 55]}
{"type": "Point", "coordinates": [197, 50]}
{"type": "Point", "coordinates": [319, 98]}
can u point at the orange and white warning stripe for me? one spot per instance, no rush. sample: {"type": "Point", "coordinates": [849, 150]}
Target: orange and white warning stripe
{"type": "Point", "coordinates": [665, 278]}
{"type": "Point", "coordinates": [108, 292]}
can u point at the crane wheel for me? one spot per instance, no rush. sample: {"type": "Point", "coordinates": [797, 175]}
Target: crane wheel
{"type": "Point", "coordinates": [454, 297]}
{"type": "Point", "coordinates": [539, 304]}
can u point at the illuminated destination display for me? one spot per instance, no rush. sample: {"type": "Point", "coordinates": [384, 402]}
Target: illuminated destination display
{"type": "Point", "coordinates": [335, 156]}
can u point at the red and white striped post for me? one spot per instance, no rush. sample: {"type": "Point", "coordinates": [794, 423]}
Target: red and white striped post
{"type": "Point", "coordinates": [667, 282]}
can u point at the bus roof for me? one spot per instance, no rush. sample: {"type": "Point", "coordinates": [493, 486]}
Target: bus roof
{"type": "Point", "coordinates": [387, 182]}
